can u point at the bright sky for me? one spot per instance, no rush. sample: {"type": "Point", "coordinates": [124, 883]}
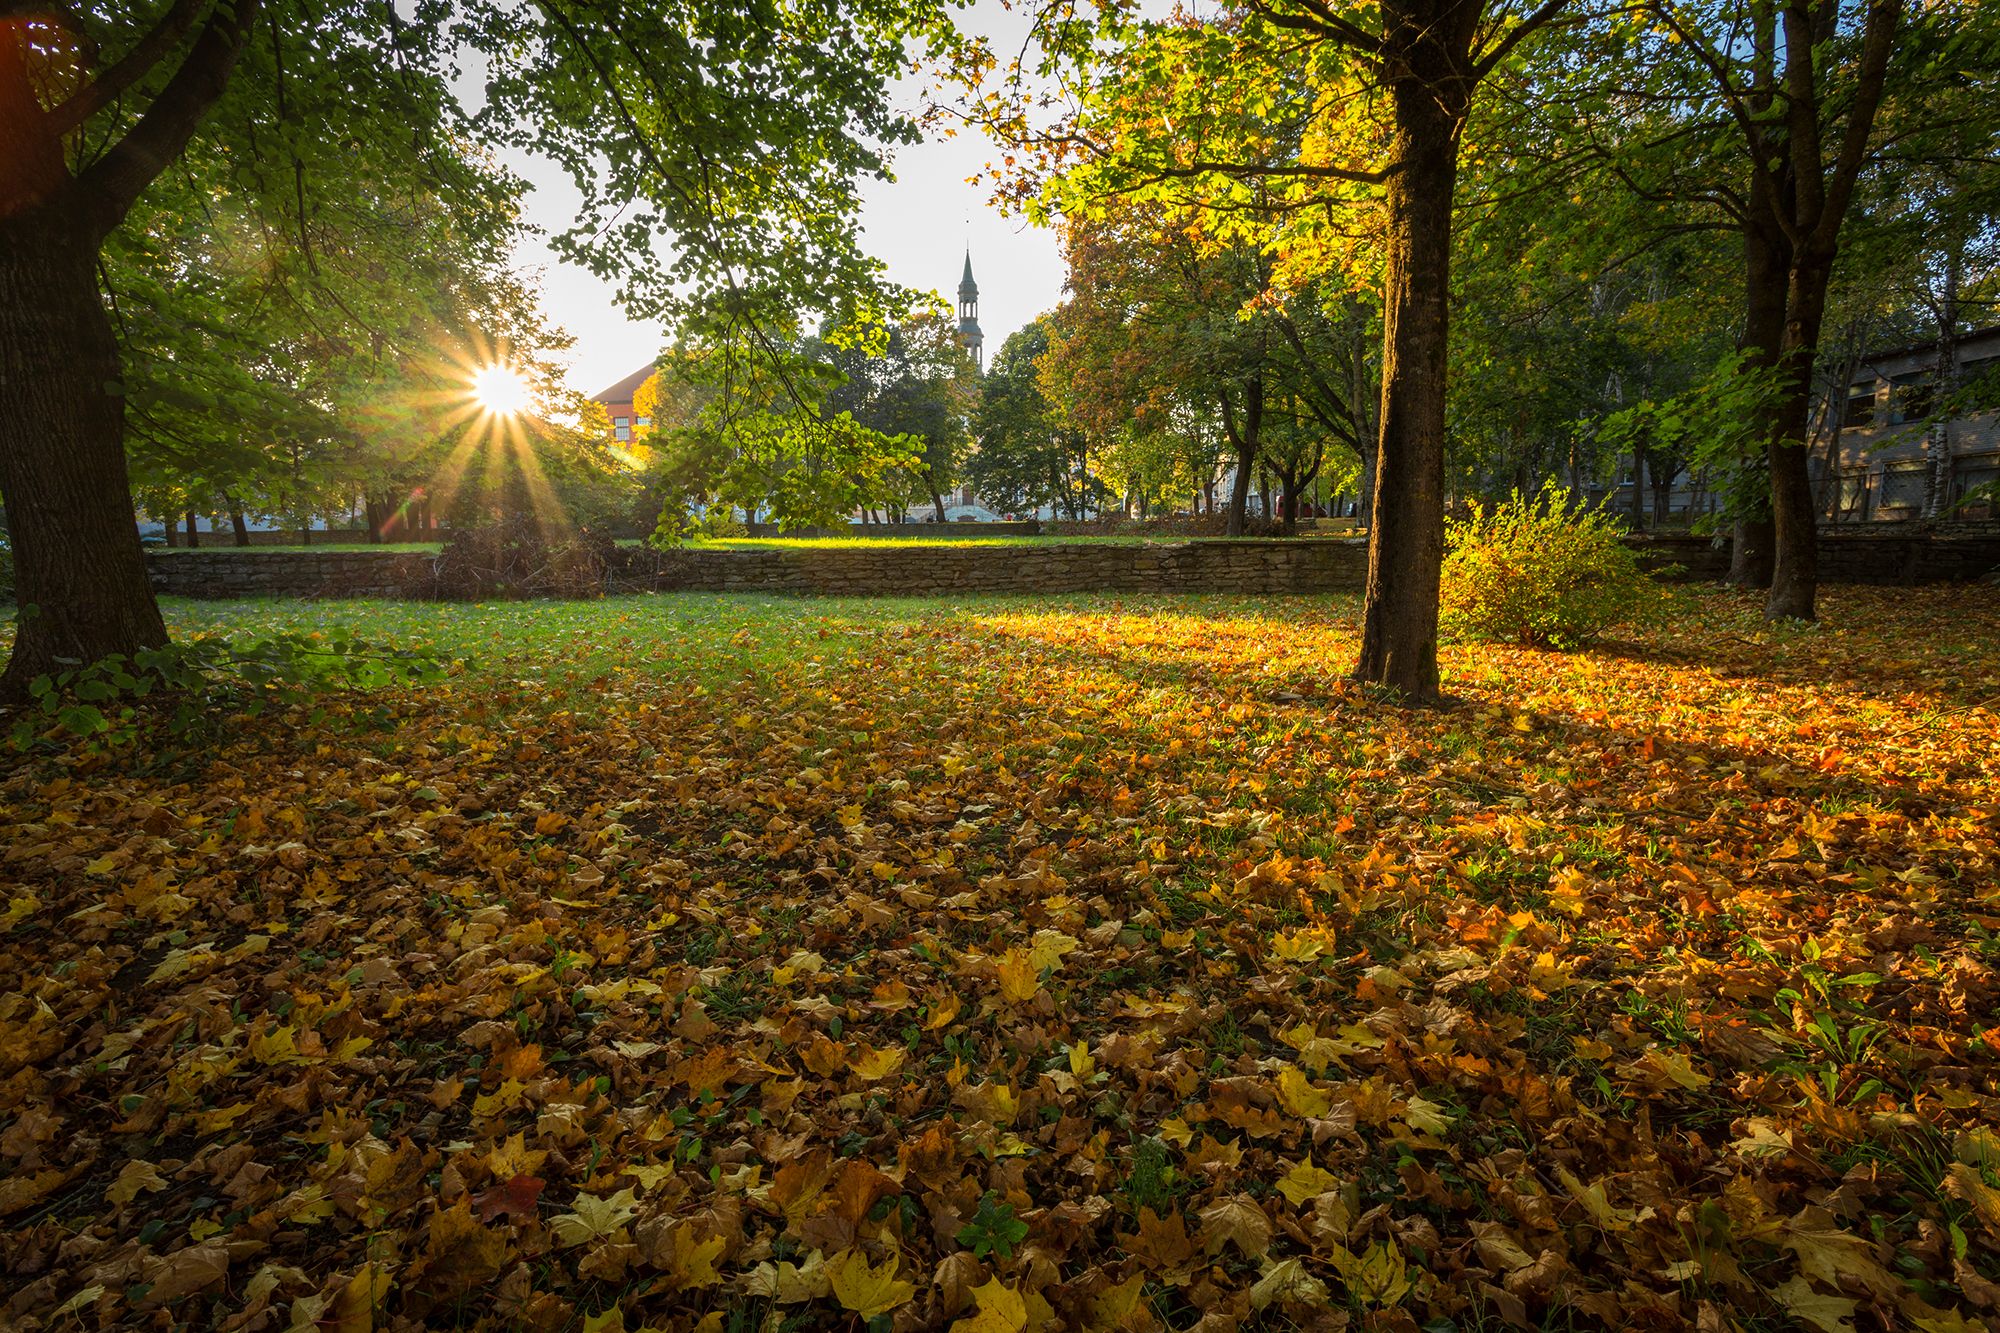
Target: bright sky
{"type": "Point", "coordinates": [919, 225]}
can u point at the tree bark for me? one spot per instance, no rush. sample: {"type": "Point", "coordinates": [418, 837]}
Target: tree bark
{"type": "Point", "coordinates": [1245, 437]}
{"type": "Point", "coordinates": [1767, 260]}
{"type": "Point", "coordinates": [193, 532]}
{"type": "Point", "coordinates": [1944, 382]}
{"type": "Point", "coordinates": [1430, 90]}
{"type": "Point", "coordinates": [1795, 525]}
{"type": "Point", "coordinates": [240, 526]}
{"type": "Point", "coordinates": [80, 574]}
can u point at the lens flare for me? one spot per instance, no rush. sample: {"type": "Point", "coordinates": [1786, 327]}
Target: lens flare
{"type": "Point", "coordinates": [500, 389]}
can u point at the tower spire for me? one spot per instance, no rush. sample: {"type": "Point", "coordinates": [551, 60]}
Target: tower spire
{"type": "Point", "coordinates": [969, 335]}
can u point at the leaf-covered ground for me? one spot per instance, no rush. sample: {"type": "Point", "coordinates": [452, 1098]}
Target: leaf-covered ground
{"type": "Point", "coordinates": [1080, 964]}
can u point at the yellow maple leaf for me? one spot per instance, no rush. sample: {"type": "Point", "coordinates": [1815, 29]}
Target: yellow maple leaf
{"type": "Point", "coordinates": [694, 1261]}
{"type": "Point", "coordinates": [998, 1310]}
{"type": "Point", "coordinates": [866, 1290]}
{"type": "Point", "coordinates": [1297, 1094]}
{"type": "Point", "coordinates": [1048, 948]}
{"type": "Point", "coordinates": [943, 1011]}
{"type": "Point", "coordinates": [1081, 1062]}
{"type": "Point", "coordinates": [871, 1065]}
{"type": "Point", "coordinates": [789, 1284]}
{"type": "Point", "coordinates": [1301, 946]}
{"type": "Point", "coordinates": [1306, 1181]}
{"type": "Point", "coordinates": [135, 1176]}
{"type": "Point", "coordinates": [593, 1218]}
{"type": "Point", "coordinates": [1019, 977]}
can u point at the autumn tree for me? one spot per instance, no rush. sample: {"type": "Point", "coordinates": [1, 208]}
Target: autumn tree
{"type": "Point", "coordinates": [1287, 110]}
{"type": "Point", "coordinates": [1028, 453]}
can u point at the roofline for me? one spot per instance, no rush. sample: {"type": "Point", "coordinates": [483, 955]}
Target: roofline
{"type": "Point", "coordinates": [1989, 331]}
{"type": "Point", "coordinates": [623, 390]}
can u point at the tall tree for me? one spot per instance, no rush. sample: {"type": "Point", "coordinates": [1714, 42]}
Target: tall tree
{"type": "Point", "coordinates": [1268, 113]}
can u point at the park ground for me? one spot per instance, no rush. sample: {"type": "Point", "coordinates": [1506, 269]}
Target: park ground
{"type": "Point", "coordinates": [1092, 963]}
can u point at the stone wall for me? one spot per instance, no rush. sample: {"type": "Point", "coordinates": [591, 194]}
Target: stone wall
{"type": "Point", "coordinates": [901, 569]}
{"type": "Point", "coordinates": [225, 538]}
{"type": "Point", "coordinates": [1847, 556]}
{"type": "Point", "coordinates": [330, 573]}
{"type": "Point", "coordinates": [953, 531]}
{"type": "Point", "coordinates": [872, 571]}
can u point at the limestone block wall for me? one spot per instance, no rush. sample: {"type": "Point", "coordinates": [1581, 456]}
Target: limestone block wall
{"type": "Point", "coordinates": [902, 570]}
{"type": "Point", "coordinates": [330, 573]}
{"type": "Point", "coordinates": [914, 571]}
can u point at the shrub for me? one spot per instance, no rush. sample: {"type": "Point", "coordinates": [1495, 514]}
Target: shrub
{"type": "Point", "coordinates": [518, 557]}
{"type": "Point", "coordinates": [1535, 573]}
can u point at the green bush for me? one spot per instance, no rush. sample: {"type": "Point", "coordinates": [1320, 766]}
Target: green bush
{"type": "Point", "coordinates": [1533, 573]}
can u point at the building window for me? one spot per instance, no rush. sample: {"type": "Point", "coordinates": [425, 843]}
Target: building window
{"type": "Point", "coordinates": [645, 421]}
{"type": "Point", "coordinates": [1910, 397]}
{"type": "Point", "coordinates": [1979, 381]}
{"type": "Point", "coordinates": [621, 421]}
{"type": "Point", "coordinates": [1861, 409]}
{"type": "Point", "coordinates": [621, 433]}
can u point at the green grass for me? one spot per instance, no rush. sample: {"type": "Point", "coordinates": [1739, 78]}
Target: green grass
{"type": "Point", "coordinates": [321, 549]}
{"type": "Point", "coordinates": [843, 543]}
{"type": "Point", "coordinates": [567, 650]}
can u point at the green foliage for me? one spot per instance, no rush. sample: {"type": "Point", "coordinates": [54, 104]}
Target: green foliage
{"type": "Point", "coordinates": [1534, 573]}
{"type": "Point", "coordinates": [190, 691]}
{"type": "Point", "coordinates": [1718, 425]}
{"type": "Point", "coordinates": [993, 1229]}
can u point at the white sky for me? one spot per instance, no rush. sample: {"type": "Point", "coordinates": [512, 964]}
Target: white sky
{"type": "Point", "coordinates": [919, 225]}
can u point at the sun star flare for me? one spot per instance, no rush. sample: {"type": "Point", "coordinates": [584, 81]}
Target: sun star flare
{"type": "Point", "coordinates": [500, 389]}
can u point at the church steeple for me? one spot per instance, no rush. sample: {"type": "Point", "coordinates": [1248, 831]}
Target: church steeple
{"type": "Point", "coordinates": [969, 336]}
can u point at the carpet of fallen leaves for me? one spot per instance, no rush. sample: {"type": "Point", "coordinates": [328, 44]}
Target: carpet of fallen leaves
{"type": "Point", "coordinates": [1078, 965]}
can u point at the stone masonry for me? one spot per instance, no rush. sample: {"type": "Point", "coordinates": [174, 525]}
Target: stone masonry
{"type": "Point", "coordinates": [900, 569]}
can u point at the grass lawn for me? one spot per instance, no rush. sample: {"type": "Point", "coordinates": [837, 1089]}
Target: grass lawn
{"type": "Point", "coordinates": [320, 548]}
{"type": "Point", "coordinates": [1107, 961]}
{"type": "Point", "coordinates": [829, 543]}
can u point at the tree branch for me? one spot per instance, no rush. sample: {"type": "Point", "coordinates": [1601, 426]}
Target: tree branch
{"type": "Point", "coordinates": [114, 183]}
{"type": "Point", "coordinates": [1513, 37]}
{"type": "Point", "coordinates": [128, 69]}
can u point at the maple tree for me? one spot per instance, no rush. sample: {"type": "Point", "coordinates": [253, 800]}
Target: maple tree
{"type": "Point", "coordinates": [1096, 963]}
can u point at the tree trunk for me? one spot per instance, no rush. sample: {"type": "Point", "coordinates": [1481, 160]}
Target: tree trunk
{"type": "Point", "coordinates": [1944, 383]}
{"type": "Point", "coordinates": [193, 532]}
{"type": "Point", "coordinates": [1795, 525]}
{"type": "Point", "coordinates": [1406, 531]}
{"type": "Point", "coordinates": [1244, 436]}
{"type": "Point", "coordinates": [1766, 262]}
{"type": "Point", "coordinates": [1638, 488]}
{"type": "Point", "coordinates": [937, 503]}
{"type": "Point", "coordinates": [240, 526]}
{"type": "Point", "coordinates": [80, 573]}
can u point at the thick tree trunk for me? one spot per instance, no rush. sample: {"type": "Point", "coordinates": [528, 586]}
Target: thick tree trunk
{"type": "Point", "coordinates": [1406, 532]}
{"type": "Point", "coordinates": [1795, 523]}
{"type": "Point", "coordinates": [80, 574]}
{"type": "Point", "coordinates": [937, 503]}
{"type": "Point", "coordinates": [240, 526]}
{"type": "Point", "coordinates": [193, 532]}
{"type": "Point", "coordinates": [1944, 383]}
{"type": "Point", "coordinates": [1766, 264]}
